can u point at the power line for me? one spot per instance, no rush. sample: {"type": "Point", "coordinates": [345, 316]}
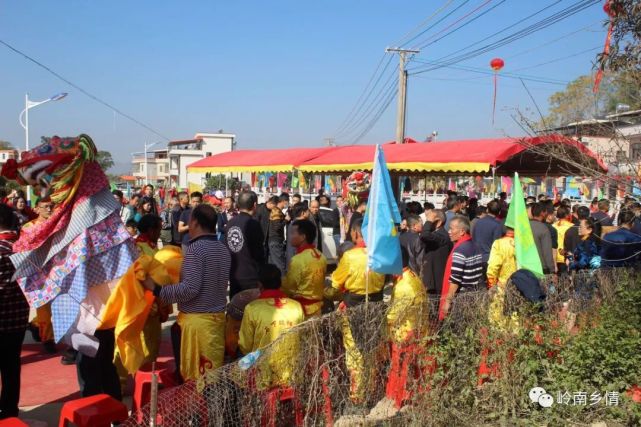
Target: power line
{"type": "Point", "coordinates": [364, 97]}
{"type": "Point", "coordinates": [425, 44]}
{"type": "Point", "coordinates": [503, 29]}
{"type": "Point", "coordinates": [436, 23]}
{"type": "Point", "coordinates": [369, 82]}
{"type": "Point", "coordinates": [549, 42]}
{"type": "Point", "coordinates": [352, 121]}
{"type": "Point", "coordinates": [386, 88]}
{"type": "Point", "coordinates": [537, 26]}
{"type": "Point", "coordinates": [388, 100]}
{"type": "Point", "coordinates": [559, 59]}
{"type": "Point", "coordinates": [474, 81]}
{"type": "Point", "coordinates": [487, 72]}
{"type": "Point", "coordinates": [425, 22]}
{"type": "Point", "coordinates": [90, 95]}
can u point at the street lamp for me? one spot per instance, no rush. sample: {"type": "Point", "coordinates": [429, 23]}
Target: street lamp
{"type": "Point", "coordinates": [28, 105]}
{"type": "Point", "coordinates": [148, 146]}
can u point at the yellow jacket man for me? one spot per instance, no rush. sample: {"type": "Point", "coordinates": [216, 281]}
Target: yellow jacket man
{"type": "Point", "coordinates": [264, 320]}
{"type": "Point", "coordinates": [500, 267]}
{"type": "Point", "coordinates": [352, 283]}
{"type": "Point", "coordinates": [305, 279]}
{"type": "Point", "coordinates": [407, 320]}
{"type": "Point", "coordinates": [562, 226]}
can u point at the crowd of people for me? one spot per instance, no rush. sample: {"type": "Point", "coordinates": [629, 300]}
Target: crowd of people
{"type": "Point", "coordinates": [252, 271]}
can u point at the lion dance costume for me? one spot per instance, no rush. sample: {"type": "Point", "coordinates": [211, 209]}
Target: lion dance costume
{"type": "Point", "coordinates": [78, 259]}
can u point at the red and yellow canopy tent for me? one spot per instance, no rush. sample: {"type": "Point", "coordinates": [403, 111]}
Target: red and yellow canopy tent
{"type": "Point", "coordinates": [501, 156]}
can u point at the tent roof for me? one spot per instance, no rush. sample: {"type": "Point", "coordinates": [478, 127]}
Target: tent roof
{"type": "Point", "coordinates": [479, 156]}
{"type": "Point", "coordinates": [280, 160]}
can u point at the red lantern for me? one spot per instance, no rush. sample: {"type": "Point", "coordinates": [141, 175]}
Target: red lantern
{"type": "Point", "coordinates": [497, 64]}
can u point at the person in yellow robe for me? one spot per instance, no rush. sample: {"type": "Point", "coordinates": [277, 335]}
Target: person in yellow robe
{"type": "Point", "coordinates": [407, 320]}
{"type": "Point", "coordinates": [266, 319]}
{"type": "Point", "coordinates": [42, 321]}
{"type": "Point", "coordinates": [147, 244]}
{"type": "Point", "coordinates": [305, 279]}
{"type": "Point", "coordinates": [500, 267]}
{"type": "Point", "coordinates": [562, 226]}
{"type": "Point", "coordinates": [353, 284]}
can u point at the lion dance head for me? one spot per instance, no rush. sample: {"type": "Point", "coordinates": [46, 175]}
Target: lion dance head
{"type": "Point", "coordinates": [54, 168]}
{"type": "Point", "coordinates": [356, 188]}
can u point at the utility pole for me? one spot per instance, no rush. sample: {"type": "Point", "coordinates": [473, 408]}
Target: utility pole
{"type": "Point", "coordinates": [402, 91]}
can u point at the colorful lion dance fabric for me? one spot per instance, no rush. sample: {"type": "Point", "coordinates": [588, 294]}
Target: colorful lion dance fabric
{"type": "Point", "coordinates": [73, 259]}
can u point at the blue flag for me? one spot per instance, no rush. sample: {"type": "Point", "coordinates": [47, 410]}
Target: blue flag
{"type": "Point", "coordinates": [379, 225]}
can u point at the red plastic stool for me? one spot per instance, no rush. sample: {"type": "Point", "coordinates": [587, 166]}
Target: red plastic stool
{"type": "Point", "coordinates": [142, 384]}
{"type": "Point", "coordinates": [273, 397]}
{"type": "Point", "coordinates": [93, 411]}
{"type": "Point", "coordinates": [13, 422]}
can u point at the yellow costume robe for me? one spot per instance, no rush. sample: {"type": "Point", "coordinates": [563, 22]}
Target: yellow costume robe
{"type": "Point", "coordinates": [407, 320]}
{"type": "Point", "coordinates": [562, 226]}
{"type": "Point", "coordinates": [500, 267]}
{"type": "Point", "coordinates": [408, 314]}
{"type": "Point", "coordinates": [264, 320]}
{"type": "Point", "coordinates": [351, 276]}
{"type": "Point", "coordinates": [129, 304]}
{"type": "Point", "coordinates": [305, 279]}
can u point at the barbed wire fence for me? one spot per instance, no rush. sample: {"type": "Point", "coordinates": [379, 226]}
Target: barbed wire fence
{"type": "Point", "coordinates": [474, 368]}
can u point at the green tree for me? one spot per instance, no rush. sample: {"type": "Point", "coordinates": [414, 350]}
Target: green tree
{"type": "Point", "coordinates": [5, 145]}
{"type": "Point", "coordinates": [576, 102]}
{"type": "Point", "coordinates": [105, 160]}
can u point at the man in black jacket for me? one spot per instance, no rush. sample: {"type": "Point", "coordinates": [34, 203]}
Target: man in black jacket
{"type": "Point", "coordinates": [436, 249]}
{"type": "Point", "coordinates": [245, 240]}
{"type": "Point", "coordinates": [263, 212]}
{"type": "Point", "coordinates": [329, 218]}
{"type": "Point", "coordinates": [276, 233]}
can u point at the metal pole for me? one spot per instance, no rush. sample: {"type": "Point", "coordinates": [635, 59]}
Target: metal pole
{"type": "Point", "coordinates": [402, 101]}
{"type": "Point", "coordinates": [402, 92]}
{"type": "Point", "coordinates": [146, 167]}
{"type": "Point", "coordinates": [26, 138]}
{"type": "Point", "coordinates": [153, 404]}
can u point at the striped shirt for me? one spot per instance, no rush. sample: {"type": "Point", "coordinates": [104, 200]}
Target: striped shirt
{"type": "Point", "coordinates": [467, 266]}
{"type": "Point", "coordinates": [203, 278]}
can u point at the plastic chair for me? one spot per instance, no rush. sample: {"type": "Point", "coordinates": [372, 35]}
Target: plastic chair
{"type": "Point", "coordinates": [142, 384]}
{"type": "Point", "coordinates": [94, 411]}
{"type": "Point", "coordinates": [273, 397]}
{"type": "Point", "coordinates": [13, 422]}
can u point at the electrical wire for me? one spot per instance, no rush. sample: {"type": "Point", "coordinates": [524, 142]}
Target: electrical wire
{"type": "Point", "coordinates": [425, 22]}
{"type": "Point", "coordinates": [388, 100]}
{"type": "Point", "coordinates": [425, 42]}
{"type": "Point", "coordinates": [549, 42]}
{"type": "Point", "coordinates": [531, 29]}
{"type": "Point", "coordinates": [437, 22]}
{"type": "Point", "coordinates": [357, 103]}
{"type": "Point", "coordinates": [351, 121]}
{"type": "Point", "coordinates": [389, 85]}
{"type": "Point", "coordinates": [559, 59]}
{"type": "Point", "coordinates": [85, 92]}
{"type": "Point", "coordinates": [491, 73]}
{"type": "Point", "coordinates": [503, 29]}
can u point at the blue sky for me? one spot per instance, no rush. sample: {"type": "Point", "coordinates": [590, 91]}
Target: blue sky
{"type": "Point", "coordinates": [276, 73]}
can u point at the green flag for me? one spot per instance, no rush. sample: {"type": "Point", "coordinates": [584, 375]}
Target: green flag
{"type": "Point", "coordinates": [295, 182]}
{"type": "Point", "coordinates": [527, 255]}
